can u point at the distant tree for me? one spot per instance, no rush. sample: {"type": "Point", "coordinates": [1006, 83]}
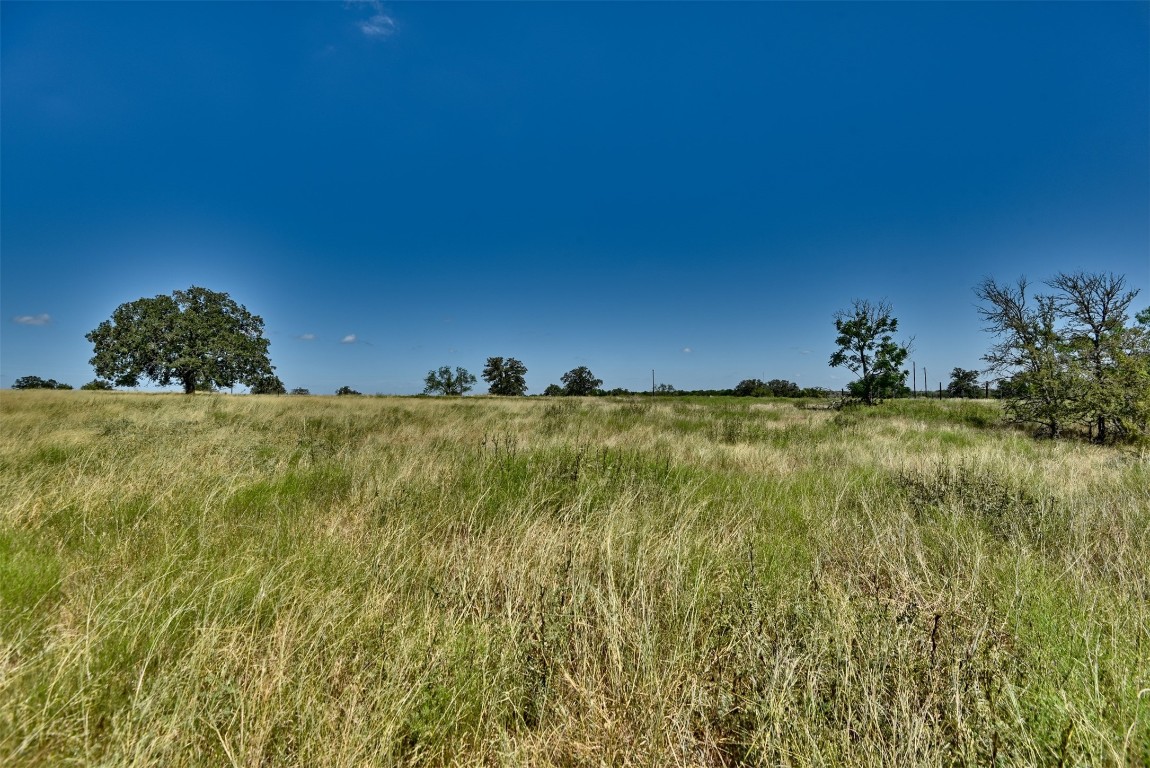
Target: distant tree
{"type": "Point", "coordinates": [302, 391]}
{"type": "Point", "coordinates": [866, 346]}
{"type": "Point", "coordinates": [35, 382]}
{"type": "Point", "coordinates": [198, 338]}
{"type": "Point", "coordinates": [506, 376]}
{"type": "Point", "coordinates": [553, 390]}
{"type": "Point", "coordinates": [1006, 389]}
{"type": "Point", "coordinates": [98, 385]}
{"type": "Point", "coordinates": [616, 392]}
{"type": "Point", "coordinates": [580, 382]}
{"type": "Point", "coordinates": [268, 385]}
{"type": "Point", "coordinates": [445, 382]}
{"type": "Point", "coordinates": [963, 383]}
{"type": "Point", "coordinates": [665, 389]}
{"type": "Point", "coordinates": [345, 390]}
{"type": "Point", "coordinates": [783, 388]}
{"type": "Point", "coordinates": [752, 388]}
{"type": "Point", "coordinates": [884, 388]}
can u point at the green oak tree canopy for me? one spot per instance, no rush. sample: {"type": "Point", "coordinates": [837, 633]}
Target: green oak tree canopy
{"type": "Point", "coordinates": [195, 338]}
{"type": "Point", "coordinates": [506, 376]}
{"type": "Point", "coordinates": [963, 383]}
{"type": "Point", "coordinates": [580, 382]}
{"type": "Point", "coordinates": [447, 383]}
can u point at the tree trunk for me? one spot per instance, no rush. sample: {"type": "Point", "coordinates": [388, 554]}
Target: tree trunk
{"type": "Point", "coordinates": [189, 385]}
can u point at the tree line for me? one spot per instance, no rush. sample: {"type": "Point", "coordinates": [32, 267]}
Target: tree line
{"type": "Point", "coordinates": [1068, 358]}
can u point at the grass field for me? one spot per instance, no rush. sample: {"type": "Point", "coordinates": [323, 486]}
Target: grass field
{"type": "Point", "coordinates": [249, 581]}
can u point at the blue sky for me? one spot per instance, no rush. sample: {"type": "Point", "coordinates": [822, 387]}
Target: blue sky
{"type": "Point", "coordinates": [693, 188]}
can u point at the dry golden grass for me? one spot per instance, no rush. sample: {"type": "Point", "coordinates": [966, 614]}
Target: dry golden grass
{"type": "Point", "coordinates": [257, 581]}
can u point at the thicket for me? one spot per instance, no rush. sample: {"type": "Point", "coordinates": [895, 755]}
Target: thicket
{"type": "Point", "coordinates": [1071, 358]}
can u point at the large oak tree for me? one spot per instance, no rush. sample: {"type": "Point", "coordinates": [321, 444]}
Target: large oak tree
{"type": "Point", "coordinates": [197, 338]}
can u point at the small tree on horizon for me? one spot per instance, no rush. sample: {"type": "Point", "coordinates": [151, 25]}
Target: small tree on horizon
{"type": "Point", "coordinates": [506, 376]}
{"type": "Point", "coordinates": [783, 388]}
{"type": "Point", "coordinates": [580, 382]}
{"type": "Point", "coordinates": [447, 383]}
{"type": "Point", "coordinates": [268, 385]}
{"type": "Point", "coordinates": [751, 388]}
{"type": "Point", "coordinates": [963, 383]}
{"type": "Point", "coordinates": [98, 385]}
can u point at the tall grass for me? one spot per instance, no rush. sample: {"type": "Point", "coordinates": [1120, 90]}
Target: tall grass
{"type": "Point", "coordinates": [252, 581]}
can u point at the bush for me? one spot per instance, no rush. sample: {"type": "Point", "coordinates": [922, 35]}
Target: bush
{"type": "Point", "coordinates": [269, 384]}
{"type": "Point", "coordinates": [98, 385]}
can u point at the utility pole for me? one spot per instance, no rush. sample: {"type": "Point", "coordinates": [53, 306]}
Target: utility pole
{"type": "Point", "coordinates": [925, 383]}
{"type": "Point", "coordinates": [914, 381]}
{"type": "Point", "coordinates": [652, 382]}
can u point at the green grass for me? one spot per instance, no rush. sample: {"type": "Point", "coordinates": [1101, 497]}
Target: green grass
{"type": "Point", "coordinates": [217, 580]}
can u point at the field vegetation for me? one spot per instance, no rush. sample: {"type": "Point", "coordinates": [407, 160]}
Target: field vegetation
{"type": "Point", "coordinates": [322, 581]}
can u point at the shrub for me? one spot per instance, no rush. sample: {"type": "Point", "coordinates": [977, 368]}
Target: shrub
{"type": "Point", "coordinates": [98, 385]}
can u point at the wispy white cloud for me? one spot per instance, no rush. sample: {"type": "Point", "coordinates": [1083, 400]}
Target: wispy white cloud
{"type": "Point", "coordinates": [379, 25]}
{"type": "Point", "coordinates": [42, 319]}
{"type": "Point", "coordinates": [686, 350]}
{"type": "Point", "coordinates": [348, 339]}
{"type": "Point", "coordinates": [306, 337]}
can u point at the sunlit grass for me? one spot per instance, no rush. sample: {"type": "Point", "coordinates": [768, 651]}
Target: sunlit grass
{"type": "Point", "coordinates": [223, 580]}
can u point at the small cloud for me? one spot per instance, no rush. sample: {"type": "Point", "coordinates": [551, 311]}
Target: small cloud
{"type": "Point", "coordinates": [306, 337]}
{"type": "Point", "coordinates": [379, 25]}
{"type": "Point", "coordinates": [42, 319]}
{"type": "Point", "coordinates": [348, 339]}
{"type": "Point", "coordinates": [686, 350]}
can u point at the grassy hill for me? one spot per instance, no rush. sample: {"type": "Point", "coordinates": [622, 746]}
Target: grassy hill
{"type": "Point", "coordinates": [218, 580]}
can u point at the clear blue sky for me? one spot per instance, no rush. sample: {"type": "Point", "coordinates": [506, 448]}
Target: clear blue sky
{"type": "Point", "coordinates": [693, 188]}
